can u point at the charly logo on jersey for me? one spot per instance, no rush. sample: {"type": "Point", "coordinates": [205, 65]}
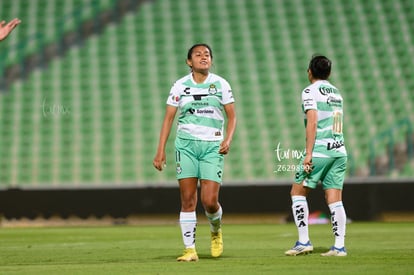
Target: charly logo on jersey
{"type": "Point", "coordinates": [212, 89]}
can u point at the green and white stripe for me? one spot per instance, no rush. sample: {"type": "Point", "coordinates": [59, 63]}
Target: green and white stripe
{"type": "Point", "coordinates": [326, 99]}
{"type": "Point", "coordinates": [201, 107]}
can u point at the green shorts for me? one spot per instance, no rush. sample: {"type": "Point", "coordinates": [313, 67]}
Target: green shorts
{"type": "Point", "coordinates": [330, 171]}
{"type": "Point", "coordinates": [198, 159]}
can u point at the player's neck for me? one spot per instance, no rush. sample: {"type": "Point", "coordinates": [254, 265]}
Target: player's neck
{"type": "Point", "coordinates": [313, 80]}
{"type": "Point", "coordinates": [200, 77]}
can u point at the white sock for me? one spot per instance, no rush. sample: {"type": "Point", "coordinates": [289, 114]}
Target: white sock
{"type": "Point", "coordinates": [300, 212]}
{"type": "Point", "coordinates": [188, 224]}
{"type": "Point", "coordinates": [338, 220]}
{"type": "Point", "coordinates": [215, 220]}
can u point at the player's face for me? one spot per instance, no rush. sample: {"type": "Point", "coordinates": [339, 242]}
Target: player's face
{"type": "Point", "coordinates": [200, 59]}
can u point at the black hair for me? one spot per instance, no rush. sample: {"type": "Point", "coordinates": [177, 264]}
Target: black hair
{"type": "Point", "coordinates": [320, 67]}
{"type": "Point", "coordinates": [190, 51]}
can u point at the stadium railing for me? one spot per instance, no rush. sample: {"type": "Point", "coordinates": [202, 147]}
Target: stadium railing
{"type": "Point", "coordinates": [382, 161]}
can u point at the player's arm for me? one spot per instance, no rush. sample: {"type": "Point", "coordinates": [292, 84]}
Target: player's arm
{"type": "Point", "coordinates": [311, 127]}
{"type": "Point", "coordinates": [160, 159]}
{"type": "Point", "coordinates": [230, 129]}
{"type": "Point", "coordinates": [6, 29]}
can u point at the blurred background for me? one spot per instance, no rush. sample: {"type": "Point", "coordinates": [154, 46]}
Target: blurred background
{"type": "Point", "coordinates": [84, 85]}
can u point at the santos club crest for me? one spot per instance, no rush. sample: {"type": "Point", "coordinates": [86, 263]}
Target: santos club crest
{"type": "Point", "coordinates": [212, 89]}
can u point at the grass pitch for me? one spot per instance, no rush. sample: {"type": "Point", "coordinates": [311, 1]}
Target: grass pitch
{"type": "Point", "coordinates": [373, 248]}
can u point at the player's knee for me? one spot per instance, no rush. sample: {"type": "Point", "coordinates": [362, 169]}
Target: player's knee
{"type": "Point", "coordinates": [210, 204]}
{"type": "Point", "coordinates": [298, 190]}
{"type": "Point", "coordinates": [188, 205]}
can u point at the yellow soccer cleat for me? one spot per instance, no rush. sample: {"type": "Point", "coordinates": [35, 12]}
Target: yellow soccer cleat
{"type": "Point", "coordinates": [216, 244]}
{"type": "Point", "coordinates": [190, 255]}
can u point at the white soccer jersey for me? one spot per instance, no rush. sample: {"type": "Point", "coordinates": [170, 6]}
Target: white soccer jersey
{"type": "Point", "coordinates": [326, 99]}
{"type": "Point", "coordinates": [201, 106]}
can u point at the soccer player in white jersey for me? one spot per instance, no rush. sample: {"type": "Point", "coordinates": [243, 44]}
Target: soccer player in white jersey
{"type": "Point", "coordinates": [202, 99]}
{"type": "Point", "coordinates": [325, 158]}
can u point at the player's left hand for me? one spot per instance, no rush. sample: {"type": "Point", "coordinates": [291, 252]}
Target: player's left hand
{"type": "Point", "coordinates": [307, 164]}
{"type": "Point", "coordinates": [224, 147]}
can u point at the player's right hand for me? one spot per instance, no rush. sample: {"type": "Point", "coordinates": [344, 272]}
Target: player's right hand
{"type": "Point", "coordinates": [159, 162]}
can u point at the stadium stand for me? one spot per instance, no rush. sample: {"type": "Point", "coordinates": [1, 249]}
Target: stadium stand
{"type": "Point", "coordinates": [45, 21]}
{"type": "Point", "coordinates": [91, 117]}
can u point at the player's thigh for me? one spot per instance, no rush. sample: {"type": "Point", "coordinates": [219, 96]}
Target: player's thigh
{"type": "Point", "coordinates": [311, 180]}
{"type": "Point", "coordinates": [335, 176]}
{"type": "Point", "coordinates": [212, 163]}
{"type": "Point", "coordinates": [187, 164]}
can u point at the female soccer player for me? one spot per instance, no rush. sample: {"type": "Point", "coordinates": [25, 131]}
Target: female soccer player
{"type": "Point", "coordinates": [325, 158]}
{"type": "Point", "coordinates": [200, 144]}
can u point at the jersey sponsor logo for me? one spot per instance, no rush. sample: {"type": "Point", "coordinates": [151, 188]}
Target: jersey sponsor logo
{"type": "Point", "coordinates": [307, 91]}
{"type": "Point", "coordinates": [335, 145]}
{"type": "Point", "coordinates": [200, 111]}
{"type": "Point", "coordinates": [187, 90]}
{"type": "Point", "coordinates": [205, 111]}
{"type": "Point", "coordinates": [175, 98]}
{"type": "Point", "coordinates": [334, 101]}
{"type": "Point", "coordinates": [201, 104]}
{"type": "Point", "coordinates": [327, 90]}
{"type": "Point", "coordinates": [308, 102]}
{"type": "Point", "coordinates": [198, 97]}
